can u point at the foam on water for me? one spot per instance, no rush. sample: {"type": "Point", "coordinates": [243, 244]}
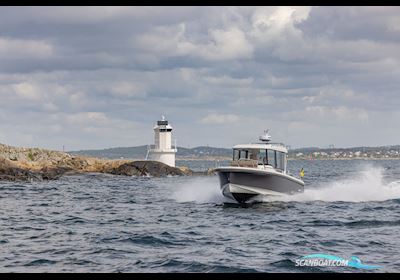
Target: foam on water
{"type": "Point", "coordinates": [367, 185]}
{"type": "Point", "coordinates": [199, 190]}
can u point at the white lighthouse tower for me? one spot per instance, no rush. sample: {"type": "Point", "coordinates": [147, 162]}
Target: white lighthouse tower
{"type": "Point", "coordinates": [163, 150]}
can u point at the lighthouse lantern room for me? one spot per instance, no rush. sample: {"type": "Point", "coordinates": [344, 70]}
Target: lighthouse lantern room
{"type": "Point", "coordinates": [163, 151]}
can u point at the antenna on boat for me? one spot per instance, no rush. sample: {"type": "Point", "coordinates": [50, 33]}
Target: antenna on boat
{"type": "Point", "coordinates": [265, 137]}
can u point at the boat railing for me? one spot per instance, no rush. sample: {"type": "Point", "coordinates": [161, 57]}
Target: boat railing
{"type": "Point", "coordinates": [271, 143]}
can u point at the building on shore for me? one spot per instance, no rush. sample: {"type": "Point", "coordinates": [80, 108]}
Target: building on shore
{"type": "Point", "coordinates": [162, 151]}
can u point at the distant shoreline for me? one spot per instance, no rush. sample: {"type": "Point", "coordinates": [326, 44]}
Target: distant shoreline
{"type": "Point", "coordinates": [343, 159]}
{"type": "Point", "coordinates": [206, 153]}
{"type": "Point", "coordinates": [289, 159]}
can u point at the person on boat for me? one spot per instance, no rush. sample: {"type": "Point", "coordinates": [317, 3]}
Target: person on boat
{"type": "Point", "coordinates": [302, 173]}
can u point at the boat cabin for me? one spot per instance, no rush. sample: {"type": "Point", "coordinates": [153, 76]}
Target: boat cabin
{"type": "Point", "coordinates": [260, 156]}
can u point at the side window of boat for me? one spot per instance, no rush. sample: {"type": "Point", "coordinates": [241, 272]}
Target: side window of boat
{"type": "Point", "coordinates": [262, 157]}
{"type": "Point", "coordinates": [243, 154]}
{"type": "Point", "coordinates": [271, 158]}
{"type": "Point", "coordinates": [253, 154]}
{"type": "Point", "coordinates": [236, 154]}
{"type": "Point", "coordinates": [280, 160]}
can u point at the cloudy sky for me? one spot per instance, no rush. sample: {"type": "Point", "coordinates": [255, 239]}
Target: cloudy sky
{"type": "Point", "coordinates": [98, 77]}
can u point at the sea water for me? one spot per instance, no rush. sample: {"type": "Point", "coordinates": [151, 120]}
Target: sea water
{"type": "Point", "coordinates": [105, 223]}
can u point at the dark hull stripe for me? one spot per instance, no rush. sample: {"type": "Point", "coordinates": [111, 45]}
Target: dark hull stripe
{"type": "Point", "coordinates": [265, 181]}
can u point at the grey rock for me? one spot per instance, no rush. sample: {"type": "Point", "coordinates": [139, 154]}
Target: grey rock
{"type": "Point", "coordinates": [54, 173]}
{"type": "Point", "coordinates": [9, 172]}
{"type": "Point", "coordinates": [147, 168]}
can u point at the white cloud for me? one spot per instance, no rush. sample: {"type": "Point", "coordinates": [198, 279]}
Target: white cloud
{"type": "Point", "coordinates": [226, 81]}
{"type": "Point", "coordinates": [278, 18]}
{"type": "Point", "coordinates": [219, 119]}
{"type": "Point", "coordinates": [96, 15]}
{"type": "Point", "coordinates": [87, 118]}
{"type": "Point", "coordinates": [225, 45]}
{"type": "Point", "coordinates": [274, 31]}
{"type": "Point", "coordinates": [19, 49]}
{"type": "Point", "coordinates": [334, 94]}
{"type": "Point", "coordinates": [50, 107]}
{"type": "Point", "coordinates": [126, 89]}
{"type": "Point", "coordinates": [162, 40]}
{"type": "Point", "coordinates": [27, 91]}
{"type": "Point", "coordinates": [341, 113]}
{"type": "Point", "coordinates": [221, 44]}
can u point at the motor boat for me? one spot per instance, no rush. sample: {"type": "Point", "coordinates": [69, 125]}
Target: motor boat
{"type": "Point", "coordinates": [258, 169]}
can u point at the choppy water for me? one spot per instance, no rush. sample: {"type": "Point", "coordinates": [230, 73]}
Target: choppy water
{"type": "Point", "coordinates": [102, 223]}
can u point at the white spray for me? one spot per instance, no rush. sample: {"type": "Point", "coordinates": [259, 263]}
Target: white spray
{"type": "Point", "coordinates": [367, 185]}
{"type": "Point", "coordinates": [200, 190]}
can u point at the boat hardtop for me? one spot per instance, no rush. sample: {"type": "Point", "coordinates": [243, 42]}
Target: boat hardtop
{"type": "Point", "coordinates": [269, 146]}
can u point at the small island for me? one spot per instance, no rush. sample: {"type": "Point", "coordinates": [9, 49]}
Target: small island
{"type": "Point", "coordinates": [34, 164]}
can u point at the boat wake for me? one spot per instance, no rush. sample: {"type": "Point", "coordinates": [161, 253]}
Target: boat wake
{"type": "Point", "coordinates": [367, 185]}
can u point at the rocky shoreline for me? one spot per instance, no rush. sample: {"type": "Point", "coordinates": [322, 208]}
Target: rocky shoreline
{"type": "Point", "coordinates": [32, 164]}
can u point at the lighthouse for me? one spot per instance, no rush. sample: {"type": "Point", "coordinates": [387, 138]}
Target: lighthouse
{"type": "Point", "coordinates": [163, 151]}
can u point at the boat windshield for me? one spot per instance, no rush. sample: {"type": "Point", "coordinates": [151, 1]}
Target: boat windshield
{"type": "Point", "coordinates": [270, 157]}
